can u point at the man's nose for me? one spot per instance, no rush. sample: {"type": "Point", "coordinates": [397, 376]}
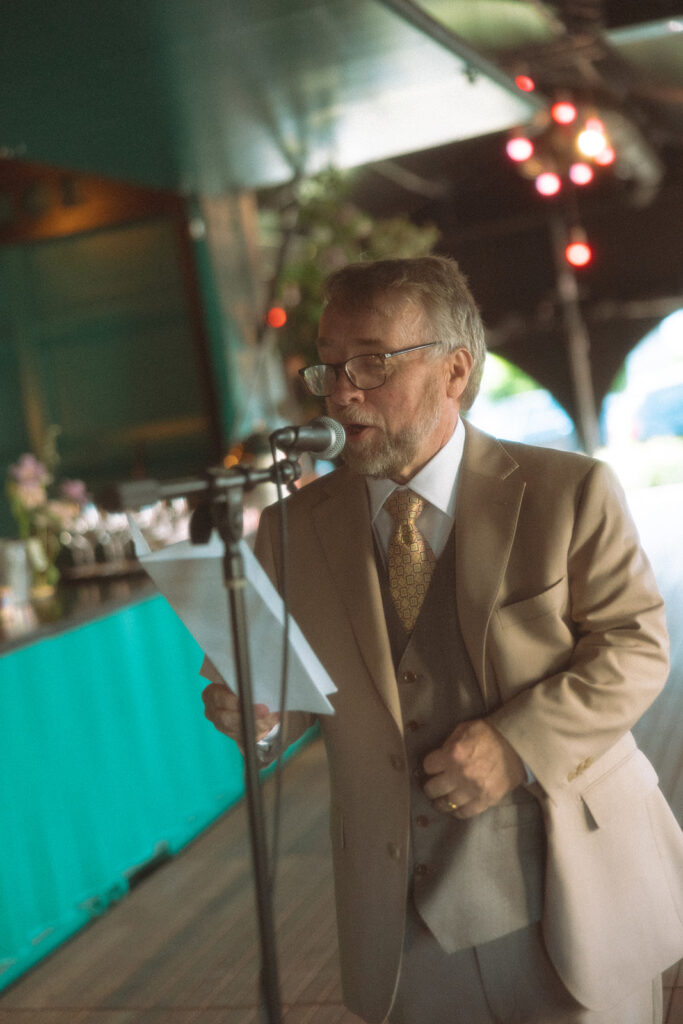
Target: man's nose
{"type": "Point", "coordinates": [344, 391]}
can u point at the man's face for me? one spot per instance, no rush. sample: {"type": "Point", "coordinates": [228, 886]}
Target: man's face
{"type": "Point", "coordinates": [395, 429]}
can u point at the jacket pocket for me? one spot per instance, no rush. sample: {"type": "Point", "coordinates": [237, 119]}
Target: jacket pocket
{"type": "Point", "coordinates": [531, 639]}
{"type": "Point", "coordinates": [546, 603]}
{"type": "Point", "coordinates": [616, 790]}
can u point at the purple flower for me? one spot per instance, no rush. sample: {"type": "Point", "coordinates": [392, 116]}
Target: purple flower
{"type": "Point", "coordinates": [73, 490]}
{"type": "Point", "coordinates": [29, 470]}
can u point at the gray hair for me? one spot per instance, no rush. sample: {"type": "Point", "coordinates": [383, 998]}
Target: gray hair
{"type": "Point", "coordinates": [436, 285]}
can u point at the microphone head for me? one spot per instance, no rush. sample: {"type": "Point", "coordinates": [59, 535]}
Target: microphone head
{"type": "Point", "coordinates": [338, 439]}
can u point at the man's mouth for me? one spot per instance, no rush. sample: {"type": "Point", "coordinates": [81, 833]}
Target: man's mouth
{"type": "Point", "coordinates": [356, 430]}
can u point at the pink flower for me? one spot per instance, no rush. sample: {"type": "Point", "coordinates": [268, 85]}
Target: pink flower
{"type": "Point", "coordinates": [29, 470]}
{"type": "Point", "coordinates": [73, 490]}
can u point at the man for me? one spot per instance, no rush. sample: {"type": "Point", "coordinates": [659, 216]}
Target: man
{"type": "Point", "coordinates": [501, 850]}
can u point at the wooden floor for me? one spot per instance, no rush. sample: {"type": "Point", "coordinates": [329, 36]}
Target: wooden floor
{"type": "Point", "coordinates": [182, 947]}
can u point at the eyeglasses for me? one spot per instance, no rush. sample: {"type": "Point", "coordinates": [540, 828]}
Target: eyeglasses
{"type": "Point", "coordinates": [365, 372]}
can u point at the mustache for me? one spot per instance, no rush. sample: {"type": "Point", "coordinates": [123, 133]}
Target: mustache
{"type": "Point", "coordinates": [351, 418]}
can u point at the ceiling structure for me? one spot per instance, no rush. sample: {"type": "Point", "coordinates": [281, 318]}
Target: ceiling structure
{"type": "Point", "coordinates": [208, 96]}
{"type": "Point", "coordinates": [625, 60]}
{"type": "Point", "coordinates": [203, 96]}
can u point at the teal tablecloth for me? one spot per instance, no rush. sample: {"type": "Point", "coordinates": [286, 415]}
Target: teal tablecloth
{"type": "Point", "coordinates": [106, 763]}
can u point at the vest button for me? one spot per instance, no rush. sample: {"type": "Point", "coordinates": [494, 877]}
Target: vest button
{"type": "Point", "coordinates": [422, 820]}
{"type": "Point", "coordinates": [394, 851]}
{"type": "Point", "coordinates": [409, 677]}
{"type": "Point", "coordinates": [396, 762]}
{"type": "Point", "coordinates": [412, 725]}
{"type": "Point", "coordinates": [421, 870]}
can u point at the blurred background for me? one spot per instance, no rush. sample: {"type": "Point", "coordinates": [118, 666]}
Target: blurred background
{"type": "Point", "coordinates": [176, 179]}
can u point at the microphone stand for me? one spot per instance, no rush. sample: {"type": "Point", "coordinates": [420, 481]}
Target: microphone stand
{"type": "Point", "coordinates": [228, 519]}
{"type": "Point", "coordinates": [224, 510]}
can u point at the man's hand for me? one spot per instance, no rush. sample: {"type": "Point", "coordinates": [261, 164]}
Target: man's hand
{"type": "Point", "coordinates": [473, 770]}
{"type": "Point", "coordinates": [222, 708]}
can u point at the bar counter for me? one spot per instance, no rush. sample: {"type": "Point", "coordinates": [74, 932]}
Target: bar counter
{"type": "Point", "coordinates": [108, 765]}
{"type": "Point", "coordinates": [74, 603]}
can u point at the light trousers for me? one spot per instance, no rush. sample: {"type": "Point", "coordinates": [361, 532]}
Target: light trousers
{"type": "Point", "coordinates": [508, 981]}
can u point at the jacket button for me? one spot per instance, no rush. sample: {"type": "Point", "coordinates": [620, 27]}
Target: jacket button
{"type": "Point", "coordinates": [421, 870]}
{"type": "Point", "coordinates": [394, 851]}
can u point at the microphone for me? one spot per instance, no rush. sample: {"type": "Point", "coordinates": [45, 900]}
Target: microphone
{"type": "Point", "coordinates": [323, 435]}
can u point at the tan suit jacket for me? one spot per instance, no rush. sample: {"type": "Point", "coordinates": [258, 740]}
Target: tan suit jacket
{"type": "Point", "coordinates": [565, 629]}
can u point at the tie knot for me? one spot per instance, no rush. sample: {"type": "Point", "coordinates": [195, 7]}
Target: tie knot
{"type": "Point", "coordinates": [404, 506]}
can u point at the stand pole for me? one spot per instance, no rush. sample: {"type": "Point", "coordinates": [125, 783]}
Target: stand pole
{"type": "Point", "coordinates": [223, 509]}
{"type": "Point", "coordinates": [229, 524]}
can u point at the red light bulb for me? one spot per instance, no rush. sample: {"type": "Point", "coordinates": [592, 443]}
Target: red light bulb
{"type": "Point", "coordinates": [525, 83]}
{"type": "Point", "coordinates": [578, 254]}
{"type": "Point", "coordinates": [605, 157]}
{"type": "Point", "coordinates": [563, 112]}
{"type": "Point", "coordinates": [548, 183]}
{"type": "Point", "coordinates": [276, 317]}
{"type": "Point", "coordinates": [581, 174]}
{"type": "Point", "coordinates": [519, 148]}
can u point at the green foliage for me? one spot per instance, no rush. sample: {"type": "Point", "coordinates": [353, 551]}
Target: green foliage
{"type": "Point", "coordinates": [502, 379]}
{"type": "Point", "coordinates": [331, 230]}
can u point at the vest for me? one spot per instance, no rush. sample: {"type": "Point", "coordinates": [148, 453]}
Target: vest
{"type": "Point", "coordinates": [479, 879]}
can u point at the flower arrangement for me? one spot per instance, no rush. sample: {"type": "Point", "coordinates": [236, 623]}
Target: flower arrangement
{"type": "Point", "coordinates": [40, 517]}
{"type": "Point", "coordinates": [311, 228]}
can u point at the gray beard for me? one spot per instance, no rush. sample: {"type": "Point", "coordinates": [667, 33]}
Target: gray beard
{"type": "Point", "coordinates": [395, 451]}
{"type": "Point", "coordinates": [389, 458]}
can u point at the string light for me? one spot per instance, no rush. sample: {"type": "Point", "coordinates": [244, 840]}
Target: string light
{"type": "Point", "coordinates": [578, 251]}
{"type": "Point", "coordinates": [276, 317]}
{"type": "Point", "coordinates": [581, 174]}
{"type": "Point", "coordinates": [590, 142]}
{"type": "Point", "coordinates": [525, 83]}
{"type": "Point", "coordinates": [546, 158]}
{"type": "Point", "coordinates": [563, 112]}
{"type": "Point", "coordinates": [519, 149]}
{"type": "Point", "coordinates": [548, 183]}
{"type": "Point", "coordinates": [606, 157]}
{"type": "Point", "coordinates": [579, 254]}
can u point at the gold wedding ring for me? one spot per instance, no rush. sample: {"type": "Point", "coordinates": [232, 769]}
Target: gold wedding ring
{"type": "Point", "coordinates": [452, 806]}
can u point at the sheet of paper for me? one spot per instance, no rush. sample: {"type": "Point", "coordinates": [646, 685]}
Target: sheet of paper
{"type": "Point", "coordinates": [190, 577]}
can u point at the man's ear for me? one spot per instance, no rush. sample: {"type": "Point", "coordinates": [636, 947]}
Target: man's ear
{"type": "Point", "coordinates": [459, 369]}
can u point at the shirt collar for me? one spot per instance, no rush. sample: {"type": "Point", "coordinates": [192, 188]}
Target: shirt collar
{"type": "Point", "coordinates": [435, 482]}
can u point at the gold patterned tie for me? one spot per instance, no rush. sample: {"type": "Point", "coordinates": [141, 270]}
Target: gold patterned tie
{"type": "Point", "coordinates": [411, 560]}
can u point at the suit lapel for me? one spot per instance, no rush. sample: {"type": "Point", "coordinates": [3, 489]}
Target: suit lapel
{"type": "Point", "coordinates": [489, 498]}
{"type": "Point", "coordinates": [342, 524]}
